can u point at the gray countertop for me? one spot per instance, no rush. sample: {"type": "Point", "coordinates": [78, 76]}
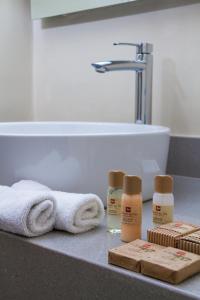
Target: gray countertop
{"type": "Point", "coordinates": [59, 265]}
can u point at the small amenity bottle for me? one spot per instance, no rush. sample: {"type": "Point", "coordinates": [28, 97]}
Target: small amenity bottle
{"type": "Point", "coordinates": [163, 200]}
{"type": "Point", "coordinates": [131, 221]}
{"type": "Point", "coordinates": [114, 196]}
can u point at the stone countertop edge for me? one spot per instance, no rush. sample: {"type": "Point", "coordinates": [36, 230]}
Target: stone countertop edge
{"type": "Point", "coordinates": [145, 282]}
{"type": "Point", "coordinates": [76, 250]}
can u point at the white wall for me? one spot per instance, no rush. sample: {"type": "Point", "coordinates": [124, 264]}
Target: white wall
{"type": "Point", "coordinates": [15, 60]}
{"type": "Point", "coordinates": [66, 87]}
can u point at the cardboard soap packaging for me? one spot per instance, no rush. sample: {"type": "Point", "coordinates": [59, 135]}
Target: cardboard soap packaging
{"type": "Point", "coordinates": [169, 234]}
{"type": "Point", "coordinates": [190, 242]}
{"type": "Point", "coordinates": [129, 256]}
{"type": "Point", "coordinates": [171, 265]}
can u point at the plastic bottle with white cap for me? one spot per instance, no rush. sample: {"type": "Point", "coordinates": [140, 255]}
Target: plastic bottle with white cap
{"type": "Point", "coordinates": [163, 200]}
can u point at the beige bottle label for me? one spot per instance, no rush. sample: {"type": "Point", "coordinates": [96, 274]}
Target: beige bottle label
{"type": "Point", "coordinates": [162, 214]}
{"type": "Point", "coordinates": [114, 206]}
{"type": "Point", "coordinates": [132, 214]}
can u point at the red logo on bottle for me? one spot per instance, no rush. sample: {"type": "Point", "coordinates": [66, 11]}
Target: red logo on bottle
{"type": "Point", "coordinates": [112, 201]}
{"type": "Point", "coordinates": [128, 209]}
{"type": "Point", "coordinates": [158, 208]}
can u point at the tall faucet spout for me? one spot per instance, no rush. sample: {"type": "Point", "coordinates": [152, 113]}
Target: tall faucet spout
{"type": "Point", "coordinates": [143, 66]}
{"type": "Point", "coordinates": [119, 65]}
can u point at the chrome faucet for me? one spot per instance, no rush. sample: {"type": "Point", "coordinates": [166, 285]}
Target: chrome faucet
{"type": "Point", "coordinates": [143, 66]}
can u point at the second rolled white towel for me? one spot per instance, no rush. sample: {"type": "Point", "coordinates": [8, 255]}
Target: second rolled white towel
{"type": "Point", "coordinates": [75, 212]}
{"type": "Point", "coordinates": [26, 213]}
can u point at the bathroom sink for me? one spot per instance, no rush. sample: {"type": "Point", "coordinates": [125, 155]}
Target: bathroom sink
{"type": "Point", "coordinates": [76, 156]}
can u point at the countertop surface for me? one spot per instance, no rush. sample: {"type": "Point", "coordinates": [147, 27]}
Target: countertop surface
{"type": "Point", "coordinates": [92, 247]}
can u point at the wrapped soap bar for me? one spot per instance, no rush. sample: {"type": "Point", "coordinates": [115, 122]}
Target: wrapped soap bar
{"type": "Point", "coordinates": [190, 242]}
{"type": "Point", "coordinates": [129, 256]}
{"type": "Point", "coordinates": [171, 265]}
{"type": "Point", "coordinates": [170, 234]}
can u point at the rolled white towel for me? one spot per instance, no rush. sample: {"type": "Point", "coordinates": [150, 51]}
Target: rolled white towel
{"type": "Point", "coordinates": [75, 212]}
{"type": "Point", "coordinates": [29, 185]}
{"type": "Point", "coordinates": [26, 213]}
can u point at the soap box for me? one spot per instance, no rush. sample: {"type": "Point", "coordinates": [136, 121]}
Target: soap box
{"type": "Point", "coordinates": [190, 242]}
{"type": "Point", "coordinates": [170, 234]}
{"type": "Point", "coordinates": [171, 265]}
{"type": "Point", "coordinates": [129, 256]}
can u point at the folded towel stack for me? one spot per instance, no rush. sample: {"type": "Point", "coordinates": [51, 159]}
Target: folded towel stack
{"type": "Point", "coordinates": [26, 213]}
{"type": "Point", "coordinates": [74, 212]}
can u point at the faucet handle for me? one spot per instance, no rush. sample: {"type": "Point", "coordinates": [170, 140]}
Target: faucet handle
{"type": "Point", "coordinates": [143, 48]}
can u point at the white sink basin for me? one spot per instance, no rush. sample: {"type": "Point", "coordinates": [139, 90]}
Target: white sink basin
{"type": "Point", "coordinates": [76, 157]}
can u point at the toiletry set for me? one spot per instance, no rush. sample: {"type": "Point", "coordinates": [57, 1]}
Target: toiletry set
{"type": "Point", "coordinates": [165, 263]}
{"type": "Point", "coordinates": [124, 204]}
{"type": "Point", "coordinates": [172, 252]}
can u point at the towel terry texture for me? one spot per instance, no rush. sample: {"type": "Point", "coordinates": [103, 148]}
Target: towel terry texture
{"type": "Point", "coordinates": [26, 213]}
{"type": "Point", "coordinates": [74, 212]}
